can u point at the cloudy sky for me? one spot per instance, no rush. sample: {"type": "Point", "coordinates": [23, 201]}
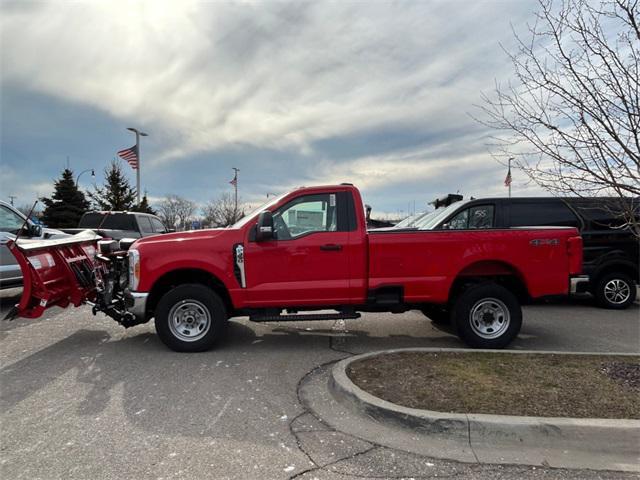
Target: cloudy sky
{"type": "Point", "coordinates": [374, 93]}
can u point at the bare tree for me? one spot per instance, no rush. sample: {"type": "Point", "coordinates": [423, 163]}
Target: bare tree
{"type": "Point", "coordinates": [571, 117]}
{"type": "Point", "coordinates": [176, 211]}
{"type": "Point", "coordinates": [222, 211]}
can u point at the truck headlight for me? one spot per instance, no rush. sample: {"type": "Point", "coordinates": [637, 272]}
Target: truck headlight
{"type": "Point", "coordinates": [134, 269]}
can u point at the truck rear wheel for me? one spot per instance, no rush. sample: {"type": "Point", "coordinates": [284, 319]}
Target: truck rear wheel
{"type": "Point", "coordinates": [615, 291]}
{"type": "Point", "coordinates": [487, 316]}
{"type": "Point", "coordinates": [190, 318]}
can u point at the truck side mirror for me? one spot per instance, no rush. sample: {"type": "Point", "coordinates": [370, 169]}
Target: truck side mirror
{"type": "Point", "coordinates": [264, 228]}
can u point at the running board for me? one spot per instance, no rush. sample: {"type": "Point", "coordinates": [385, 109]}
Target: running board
{"type": "Point", "coordinates": [304, 317]}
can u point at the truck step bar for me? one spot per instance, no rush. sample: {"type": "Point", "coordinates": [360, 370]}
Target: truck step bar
{"type": "Point", "coordinates": [305, 317]}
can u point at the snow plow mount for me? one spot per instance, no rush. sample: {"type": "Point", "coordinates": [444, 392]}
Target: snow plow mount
{"type": "Point", "coordinates": [71, 271]}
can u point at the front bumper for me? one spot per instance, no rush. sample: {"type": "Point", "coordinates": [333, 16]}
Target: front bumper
{"type": "Point", "coordinates": [137, 304]}
{"type": "Point", "coordinates": [579, 284]}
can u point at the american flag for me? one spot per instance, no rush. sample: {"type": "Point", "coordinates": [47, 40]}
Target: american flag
{"type": "Point", "coordinates": [130, 155]}
{"type": "Point", "coordinates": [234, 182]}
{"type": "Point", "coordinates": [507, 180]}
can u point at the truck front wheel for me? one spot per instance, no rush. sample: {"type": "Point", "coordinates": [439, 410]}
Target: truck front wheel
{"type": "Point", "coordinates": [487, 316]}
{"type": "Point", "coordinates": [190, 318]}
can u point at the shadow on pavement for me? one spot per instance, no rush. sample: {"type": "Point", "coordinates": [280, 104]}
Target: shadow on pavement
{"type": "Point", "coordinates": [188, 392]}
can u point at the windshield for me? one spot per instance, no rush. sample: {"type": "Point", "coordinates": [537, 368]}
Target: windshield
{"type": "Point", "coordinates": [432, 221]}
{"type": "Point", "coordinates": [265, 206]}
{"type": "Point", "coordinates": [410, 222]}
{"type": "Point", "coordinates": [10, 221]}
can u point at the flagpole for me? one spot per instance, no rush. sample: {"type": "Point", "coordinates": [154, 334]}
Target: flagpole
{"type": "Point", "coordinates": [510, 179]}
{"type": "Point", "coordinates": [139, 162]}
{"type": "Point", "coordinates": [235, 188]}
{"type": "Point", "coordinates": [138, 135]}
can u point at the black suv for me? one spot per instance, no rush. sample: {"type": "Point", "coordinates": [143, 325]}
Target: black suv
{"type": "Point", "coordinates": [611, 253]}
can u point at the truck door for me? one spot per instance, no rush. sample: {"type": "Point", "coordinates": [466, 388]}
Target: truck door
{"type": "Point", "coordinates": [308, 261]}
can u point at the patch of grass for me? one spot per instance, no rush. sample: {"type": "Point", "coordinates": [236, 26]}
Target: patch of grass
{"type": "Point", "coordinates": [541, 385]}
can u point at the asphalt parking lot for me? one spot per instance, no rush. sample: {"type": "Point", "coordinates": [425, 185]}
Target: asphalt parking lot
{"type": "Point", "coordinates": [84, 398]}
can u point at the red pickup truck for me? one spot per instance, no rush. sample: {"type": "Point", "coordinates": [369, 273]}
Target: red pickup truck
{"type": "Point", "coordinates": [306, 251]}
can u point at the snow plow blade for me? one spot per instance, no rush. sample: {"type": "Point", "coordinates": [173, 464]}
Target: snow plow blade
{"type": "Point", "coordinates": [55, 273]}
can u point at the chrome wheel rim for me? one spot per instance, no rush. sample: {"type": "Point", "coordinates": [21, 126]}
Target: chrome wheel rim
{"type": "Point", "coordinates": [489, 318]}
{"type": "Point", "coordinates": [617, 291]}
{"type": "Point", "coordinates": [189, 320]}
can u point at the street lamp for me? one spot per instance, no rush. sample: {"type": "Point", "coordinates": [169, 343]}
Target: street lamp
{"type": "Point", "coordinates": [138, 135]}
{"type": "Point", "coordinates": [93, 175]}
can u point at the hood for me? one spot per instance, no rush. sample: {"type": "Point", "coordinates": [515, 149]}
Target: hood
{"type": "Point", "coordinates": [191, 235]}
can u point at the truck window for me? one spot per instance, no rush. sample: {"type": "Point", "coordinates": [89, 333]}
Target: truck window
{"type": "Point", "coordinates": [476, 217]}
{"type": "Point", "coordinates": [145, 224]}
{"type": "Point", "coordinates": [525, 214]}
{"type": "Point", "coordinates": [306, 214]}
{"type": "Point", "coordinates": [158, 227]}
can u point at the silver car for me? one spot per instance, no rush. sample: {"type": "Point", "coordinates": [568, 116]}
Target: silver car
{"type": "Point", "coordinates": [11, 221]}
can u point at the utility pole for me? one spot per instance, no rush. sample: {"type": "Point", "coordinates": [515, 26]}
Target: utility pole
{"type": "Point", "coordinates": [12, 198]}
{"type": "Point", "coordinates": [138, 135]}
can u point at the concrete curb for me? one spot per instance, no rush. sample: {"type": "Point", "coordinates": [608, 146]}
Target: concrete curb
{"type": "Point", "coordinates": [510, 438]}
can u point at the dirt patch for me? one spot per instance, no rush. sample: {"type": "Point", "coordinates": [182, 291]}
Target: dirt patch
{"type": "Point", "coordinates": [541, 385]}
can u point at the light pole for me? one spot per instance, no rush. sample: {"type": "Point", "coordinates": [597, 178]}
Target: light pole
{"type": "Point", "coordinates": [138, 135]}
{"type": "Point", "coordinates": [93, 175]}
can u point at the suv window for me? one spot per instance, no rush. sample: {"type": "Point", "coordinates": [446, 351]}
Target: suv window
{"type": "Point", "coordinates": [476, 217]}
{"type": "Point", "coordinates": [10, 221]}
{"type": "Point", "coordinates": [544, 214]}
{"type": "Point", "coordinates": [306, 214]}
{"type": "Point", "coordinates": [145, 224]}
{"type": "Point", "coordinates": [158, 227]}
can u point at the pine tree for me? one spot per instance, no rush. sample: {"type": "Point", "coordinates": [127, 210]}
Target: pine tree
{"type": "Point", "coordinates": [67, 204]}
{"type": "Point", "coordinates": [144, 206]}
{"type": "Point", "coordinates": [116, 194]}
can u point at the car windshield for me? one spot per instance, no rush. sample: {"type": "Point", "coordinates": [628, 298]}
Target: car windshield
{"type": "Point", "coordinates": [431, 221]}
{"type": "Point", "coordinates": [412, 221]}
{"type": "Point", "coordinates": [265, 206]}
{"type": "Point", "coordinates": [10, 221]}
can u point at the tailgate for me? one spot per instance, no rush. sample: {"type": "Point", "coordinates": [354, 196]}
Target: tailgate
{"type": "Point", "coordinates": [55, 273]}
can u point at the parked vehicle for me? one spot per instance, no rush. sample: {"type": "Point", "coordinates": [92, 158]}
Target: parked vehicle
{"type": "Point", "coordinates": [304, 251]}
{"type": "Point", "coordinates": [611, 253]}
{"type": "Point", "coordinates": [118, 225]}
{"type": "Point", "coordinates": [13, 221]}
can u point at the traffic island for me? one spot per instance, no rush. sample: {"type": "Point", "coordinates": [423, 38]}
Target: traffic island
{"type": "Point", "coordinates": [535, 408]}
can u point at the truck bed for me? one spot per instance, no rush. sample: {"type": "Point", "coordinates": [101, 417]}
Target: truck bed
{"type": "Point", "coordinates": [426, 262]}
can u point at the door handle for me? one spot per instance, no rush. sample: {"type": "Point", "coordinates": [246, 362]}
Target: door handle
{"type": "Point", "coordinates": [331, 247]}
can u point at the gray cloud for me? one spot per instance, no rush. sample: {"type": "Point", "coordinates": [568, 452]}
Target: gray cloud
{"type": "Point", "coordinates": [374, 93]}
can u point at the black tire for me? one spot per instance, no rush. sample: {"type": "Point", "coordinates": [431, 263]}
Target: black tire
{"type": "Point", "coordinates": [437, 315]}
{"type": "Point", "coordinates": [490, 301]}
{"type": "Point", "coordinates": [615, 291]}
{"type": "Point", "coordinates": [189, 307]}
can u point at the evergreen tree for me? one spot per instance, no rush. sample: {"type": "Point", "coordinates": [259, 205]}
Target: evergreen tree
{"type": "Point", "coordinates": [67, 204]}
{"type": "Point", "coordinates": [144, 206]}
{"type": "Point", "coordinates": [116, 194]}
